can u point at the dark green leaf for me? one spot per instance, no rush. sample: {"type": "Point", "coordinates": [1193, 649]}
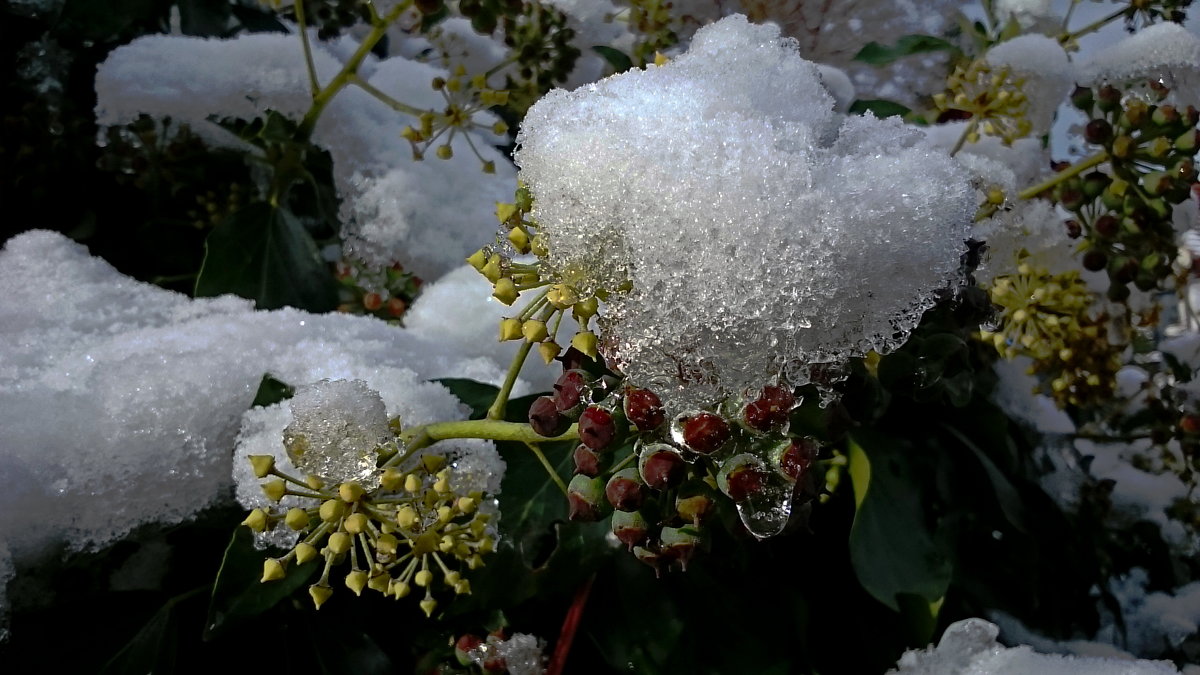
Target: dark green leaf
{"type": "Point", "coordinates": [238, 592]}
{"type": "Point", "coordinates": [475, 395]}
{"type": "Point", "coordinates": [892, 544]}
{"type": "Point", "coordinates": [155, 647]}
{"type": "Point", "coordinates": [256, 20]}
{"type": "Point", "coordinates": [881, 55]}
{"type": "Point", "coordinates": [616, 58]}
{"type": "Point", "coordinates": [1007, 496]}
{"type": "Point", "coordinates": [204, 17]}
{"type": "Point", "coordinates": [271, 391]}
{"type": "Point", "coordinates": [263, 253]}
{"type": "Point", "coordinates": [879, 107]}
{"type": "Point", "coordinates": [103, 21]}
{"type": "Point", "coordinates": [530, 501]}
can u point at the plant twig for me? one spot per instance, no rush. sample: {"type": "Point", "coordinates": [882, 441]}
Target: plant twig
{"type": "Point", "coordinates": [537, 452]}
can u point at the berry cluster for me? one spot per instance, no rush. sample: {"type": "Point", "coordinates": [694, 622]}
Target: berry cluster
{"type": "Point", "coordinates": [1126, 214]}
{"type": "Point", "coordinates": [660, 479]}
{"type": "Point", "coordinates": [383, 293]}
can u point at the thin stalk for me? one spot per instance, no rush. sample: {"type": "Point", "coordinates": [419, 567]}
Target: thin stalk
{"type": "Point", "coordinates": [392, 103]}
{"type": "Point", "coordinates": [496, 411]}
{"type": "Point", "coordinates": [962, 140]}
{"type": "Point", "coordinates": [1095, 160]}
{"type": "Point", "coordinates": [494, 430]}
{"type": "Point", "coordinates": [1092, 27]}
{"type": "Point", "coordinates": [313, 84]}
{"type": "Point", "coordinates": [537, 452]}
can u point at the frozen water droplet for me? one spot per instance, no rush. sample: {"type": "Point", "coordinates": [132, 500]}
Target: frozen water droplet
{"type": "Point", "coordinates": [766, 513]}
{"type": "Point", "coordinates": [337, 427]}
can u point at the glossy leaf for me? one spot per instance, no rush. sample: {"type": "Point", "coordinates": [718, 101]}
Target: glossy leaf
{"type": "Point", "coordinates": [239, 594]}
{"type": "Point", "coordinates": [881, 55]}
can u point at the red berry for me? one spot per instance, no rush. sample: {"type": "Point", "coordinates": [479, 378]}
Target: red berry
{"type": "Point", "coordinates": [464, 646]}
{"type": "Point", "coordinates": [746, 481]}
{"type": "Point", "coordinates": [661, 469]}
{"type": "Point", "coordinates": [372, 301]}
{"type": "Point", "coordinates": [770, 409]}
{"type": "Point", "coordinates": [596, 428]}
{"type": "Point", "coordinates": [545, 419]}
{"type": "Point", "coordinates": [624, 490]}
{"type": "Point", "coordinates": [798, 458]}
{"type": "Point", "coordinates": [587, 462]}
{"type": "Point", "coordinates": [705, 433]}
{"type": "Point", "coordinates": [644, 409]}
{"type": "Point", "coordinates": [396, 306]}
{"type": "Point", "coordinates": [1190, 424]}
{"type": "Point", "coordinates": [568, 390]}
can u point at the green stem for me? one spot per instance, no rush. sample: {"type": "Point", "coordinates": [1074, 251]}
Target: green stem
{"type": "Point", "coordinates": [314, 85]}
{"type": "Point", "coordinates": [623, 463]}
{"type": "Point", "coordinates": [494, 430]}
{"type": "Point", "coordinates": [496, 411]}
{"type": "Point", "coordinates": [1091, 27]}
{"type": "Point", "coordinates": [348, 71]}
{"type": "Point", "coordinates": [384, 98]}
{"type": "Point", "coordinates": [1095, 160]}
{"type": "Point", "coordinates": [537, 452]}
{"type": "Point", "coordinates": [963, 138]}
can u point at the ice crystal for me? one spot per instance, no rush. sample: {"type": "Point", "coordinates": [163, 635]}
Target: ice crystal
{"type": "Point", "coordinates": [337, 426]}
{"type": "Point", "coordinates": [759, 236]}
{"type": "Point", "coordinates": [1164, 51]}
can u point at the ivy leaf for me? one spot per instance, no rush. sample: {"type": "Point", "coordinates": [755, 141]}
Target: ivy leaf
{"type": "Point", "coordinates": [616, 58]}
{"type": "Point", "coordinates": [271, 391]}
{"type": "Point", "coordinates": [892, 548]}
{"type": "Point", "coordinates": [238, 593]}
{"type": "Point", "coordinates": [879, 107]}
{"type": "Point", "coordinates": [881, 55]}
{"type": "Point", "coordinates": [155, 648]}
{"type": "Point", "coordinates": [262, 252]}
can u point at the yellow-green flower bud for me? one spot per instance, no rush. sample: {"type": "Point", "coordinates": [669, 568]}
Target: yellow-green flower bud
{"type": "Point", "coordinates": [519, 238]}
{"type": "Point", "coordinates": [399, 589]}
{"type": "Point", "coordinates": [274, 489]}
{"type": "Point", "coordinates": [585, 341]}
{"type": "Point", "coordinates": [380, 583]}
{"type": "Point", "coordinates": [539, 246]}
{"type": "Point", "coordinates": [423, 578]}
{"type": "Point", "coordinates": [339, 543]}
{"type": "Point", "coordinates": [332, 510]}
{"type": "Point", "coordinates": [447, 543]}
{"type": "Point", "coordinates": [356, 581]}
{"type": "Point", "coordinates": [586, 309]}
{"type": "Point", "coordinates": [489, 167]}
{"type": "Point", "coordinates": [477, 260]}
{"type": "Point", "coordinates": [561, 296]}
{"type": "Point", "coordinates": [510, 329]}
{"type": "Point", "coordinates": [314, 482]}
{"type": "Point", "coordinates": [305, 552]}
{"type": "Point", "coordinates": [534, 330]}
{"type": "Point", "coordinates": [297, 519]}
{"type": "Point", "coordinates": [356, 523]}
{"type": "Point", "coordinates": [499, 128]}
{"type": "Point", "coordinates": [428, 605]}
{"type": "Point", "coordinates": [506, 291]}
{"type": "Point", "coordinates": [272, 570]}
{"type": "Point", "coordinates": [263, 465]}
{"type": "Point", "coordinates": [319, 594]}
{"type": "Point", "coordinates": [452, 578]}
{"type": "Point", "coordinates": [406, 516]}
{"type": "Point", "coordinates": [412, 484]}
{"type": "Point", "coordinates": [445, 152]}
{"type": "Point", "coordinates": [549, 350]}
{"type": "Point", "coordinates": [462, 587]}
{"type": "Point", "coordinates": [256, 520]}
{"type": "Point", "coordinates": [351, 492]}
{"type": "Point", "coordinates": [491, 269]}
{"type": "Point", "coordinates": [387, 544]}
{"type": "Point", "coordinates": [504, 212]}
{"type": "Point", "coordinates": [445, 514]}
{"type": "Point", "coordinates": [392, 479]}
{"type": "Point", "coordinates": [466, 504]}
{"type": "Point", "coordinates": [441, 485]}
{"type": "Point", "coordinates": [411, 135]}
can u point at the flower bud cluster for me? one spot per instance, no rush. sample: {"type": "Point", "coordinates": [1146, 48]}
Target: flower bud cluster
{"type": "Point", "coordinates": [992, 98]}
{"type": "Point", "coordinates": [384, 293]}
{"type": "Point", "coordinates": [1126, 212]}
{"type": "Point", "coordinates": [465, 96]}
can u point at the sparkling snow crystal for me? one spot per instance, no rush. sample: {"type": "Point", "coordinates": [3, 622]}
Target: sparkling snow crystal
{"type": "Point", "coordinates": [1164, 51]}
{"type": "Point", "coordinates": [336, 427]}
{"type": "Point", "coordinates": [970, 648]}
{"type": "Point", "coordinates": [759, 236]}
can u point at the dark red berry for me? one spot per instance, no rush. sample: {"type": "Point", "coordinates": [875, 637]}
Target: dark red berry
{"type": "Point", "coordinates": [568, 390]}
{"type": "Point", "coordinates": [584, 496]}
{"type": "Point", "coordinates": [596, 428]}
{"type": "Point", "coordinates": [624, 490]}
{"type": "Point", "coordinates": [705, 433]}
{"type": "Point", "coordinates": [798, 458]}
{"type": "Point", "coordinates": [644, 409]}
{"type": "Point", "coordinates": [745, 481]}
{"type": "Point", "coordinates": [1106, 226]}
{"type": "Point", "coordinates": [464, 646]}
{"type": "Point", "coordinates": [1074, 229]}
{"type": "Point", "coordinates": [661, 469]}
{"type": "Point", "coordinates": [1095, 260]}
{"type": "Point", "coordinates": [1190, 424]}
{"type": "Point", "coordinates": [1097, 132]}
{"type": "Point", "coordinates": [770, 409]}
{"type": "Point", "coordinates": [545, 419]}
{"type": "Point", "coordinates": [587, 462]}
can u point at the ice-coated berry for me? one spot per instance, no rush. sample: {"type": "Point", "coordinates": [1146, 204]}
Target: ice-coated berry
{"type": "Point", "coordinates": [464, 646]}
{"type": "Point", "coordinates": [643, 409]}
{"type": "Point", "coordinates": [679, 544]}
{"type": "Point", "coordinates": [545, 419]}
{"type": "Point", "coordinates": [770, 409]}
{"type": "Point", "coordinates": [587, 462]}
{"type": "Point", "coordinates": [624, 490]}
{"type": "Point", "coordinates": [585, 497]}
{"type": "Point", "coordinates": [705, 432]}
{"type": "Point", "coordinates": [597, 428]}
{"type": "Point", "coordinates": [694, 502]}
{"type": "Point", "coordinates": [629, 527]}
{"type": "Point", "coordinates": [741, 477]}
{"type": "Point", "coordinates": [798, 457]}
{"type": "Point", "coordinates": [661, 467]}
{"type": "Point", "coordinates": [568, 390]}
